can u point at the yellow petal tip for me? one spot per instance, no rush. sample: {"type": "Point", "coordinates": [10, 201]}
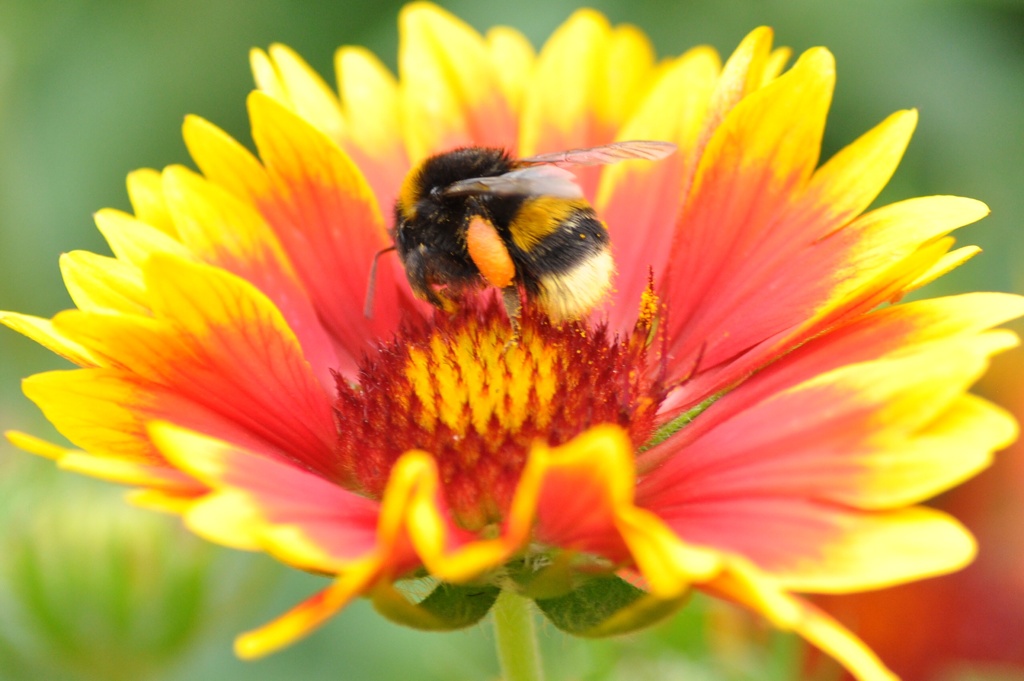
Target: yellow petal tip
{"type": "Point", "coordinates": [819, 60]}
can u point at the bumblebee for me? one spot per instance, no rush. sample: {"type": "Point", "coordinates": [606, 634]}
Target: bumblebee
{"type": "Point", "coordinates": [477, 216]}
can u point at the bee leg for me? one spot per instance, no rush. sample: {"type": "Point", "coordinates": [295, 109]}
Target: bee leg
{"type": "Point", "coordinates": [513, 306]}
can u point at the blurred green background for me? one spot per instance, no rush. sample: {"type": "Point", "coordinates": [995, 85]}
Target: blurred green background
{"type": "Point", "coordinates": [89, 90]}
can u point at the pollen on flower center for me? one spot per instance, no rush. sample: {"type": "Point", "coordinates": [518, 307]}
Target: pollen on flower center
{"type": "Point", "coordinates": [476, 398]}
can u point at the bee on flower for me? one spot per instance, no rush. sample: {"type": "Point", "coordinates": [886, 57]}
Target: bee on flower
{"type": "Point", "coordinates": [524, 227]}
{"type": "Point", "coordinates": [740, 405]}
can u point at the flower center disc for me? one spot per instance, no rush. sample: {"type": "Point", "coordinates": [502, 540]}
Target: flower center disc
{"type": "Point", "coordinates": [476, 398]}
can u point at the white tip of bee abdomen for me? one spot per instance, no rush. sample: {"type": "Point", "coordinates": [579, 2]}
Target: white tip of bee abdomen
{"type": "Point", "coordinates": [572, 294]}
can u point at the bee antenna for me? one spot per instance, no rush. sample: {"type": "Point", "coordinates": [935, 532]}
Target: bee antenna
{"type": "Point", "coordinates": [371, 285]}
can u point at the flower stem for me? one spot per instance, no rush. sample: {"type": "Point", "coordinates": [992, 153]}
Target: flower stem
{"type": "Point", "coordinates": [518, 653]}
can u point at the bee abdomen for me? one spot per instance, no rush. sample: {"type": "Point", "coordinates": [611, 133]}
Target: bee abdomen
{"type": "Point", "coordinates": [573, 292]}
{"type": "Point", "coordinates": [569, 271]}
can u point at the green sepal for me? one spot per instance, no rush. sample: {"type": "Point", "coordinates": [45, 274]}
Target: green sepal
{"type": "Point", "coordinates": [447, 607]}
{"type": "Point", "coordinates": [557, 578]}
{"type": "Point", "coordinates": [607, 606]}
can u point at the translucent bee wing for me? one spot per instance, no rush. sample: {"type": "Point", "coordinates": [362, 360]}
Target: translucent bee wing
{"type": "Point", "coordinates": [648, 150]}
{"type": "Point", "coordinates": [544, 180]}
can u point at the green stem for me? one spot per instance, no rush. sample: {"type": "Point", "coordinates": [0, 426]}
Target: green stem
{"type": "Point", "coordinates": [518, 653]}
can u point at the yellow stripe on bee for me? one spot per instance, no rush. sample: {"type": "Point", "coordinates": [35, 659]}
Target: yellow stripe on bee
{"type": "Point", "coordinates": [410, 194]}
{"type": "Point", "coordinates": [540, 217]}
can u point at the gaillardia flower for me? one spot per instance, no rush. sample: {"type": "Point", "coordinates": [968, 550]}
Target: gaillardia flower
{"type": "Point", "coordinates": [750, 413]}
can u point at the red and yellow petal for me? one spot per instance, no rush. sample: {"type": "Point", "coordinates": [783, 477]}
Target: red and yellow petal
{"type": "Point", "coordinates": [308, 615]}
{"type": "Point", "coordinates": [224, 161]}
{"type": "Point", "coordinates": [322, 212]}
{"type": "Point", "coordinates": [285, 76]}
{"type": "Point", "coordinates": [795, 477]}
{"type": "Point", "coordinates": [97, 283]}
{"type": "Point", "coordinates": [756, 161]}
{"type": "Point", "coordinates": [156, 477]}
{"type": "Point", "coordinates": [574, 100]}
{"type": "Point", "coordinates": [515, 57]}
{"type": "Point", "coordinates": [370, 100]}
{"type": "Point", "coordinates": [668, 564]}
{"type": "Point", "coordinates": [588, 78]}
{"type": "Point", "coordinates": [890, 236]}
{"type": "Point", "coordinates": [114, 428]}
{"type": "Point", "coordinates": [574, 492]}
{"type": "Point", "coordinates": [451, 95]}
{"type": "Point", "coordinates": [261, 503]}
{"type": "Point", "coordinates": [742, 583]}
{"type": "Point", "coordinates": [640, 201]}
{"type": "Point", "coordinates": [326, 217]}
{"type": "Point", "coordinates": [581, 505]}
{"type": "Point", "coordinates": [916, 542]}
{"type": "Point", "coordinates": [145, 190]}
{"type": "Point", "coordinates": [223, 230]}
{"type": "Point", "coordinates": [757, 262]}
{"type": "Point", "coordinates": [579, 497]}
{"type": "Point", "coordinates": [899, 330]}
{"type": "Point", "coordinates": [750, 67]}
{"type": "Point", "coordinates": [134, 241]}
{"type": "Point", "coordinates": [42, 331]}
{"type": "Point", "coordinates": [847, 183]}
{"type": "Point", "coordinates": [414, 512]}
{"type": "Point", "coordinates": [258, 503]}
{"type": "Point", "coordinates": [217, 342]}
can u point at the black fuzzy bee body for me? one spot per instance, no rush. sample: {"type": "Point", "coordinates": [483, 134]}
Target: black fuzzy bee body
{"type": "Point", "coordinates": [477, 216]}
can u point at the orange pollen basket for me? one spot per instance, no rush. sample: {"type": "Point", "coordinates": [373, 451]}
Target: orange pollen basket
{"type": "Point", "coordinates": [465, 390]}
